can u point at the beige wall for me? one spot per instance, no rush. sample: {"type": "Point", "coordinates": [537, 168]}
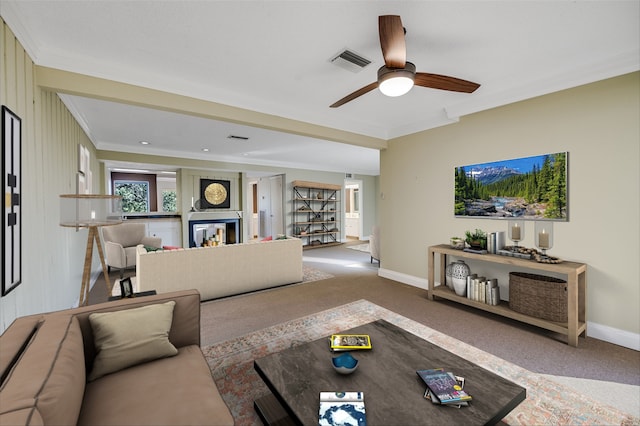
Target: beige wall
{"type": "Point", "coordinates": [598, 125]}
{"type": "Point", "coordinates": [52, 256]}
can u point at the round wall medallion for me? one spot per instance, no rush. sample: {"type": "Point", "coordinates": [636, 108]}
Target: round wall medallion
{"type": "Point", "coordinates": [215, 193]}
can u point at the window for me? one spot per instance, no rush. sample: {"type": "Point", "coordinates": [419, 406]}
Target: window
{"type": "Point", "coordinates": [138, 191]}
{"type": "Point", "coordinates": [135, 195]}
{"type": "Point", "coordinates": [169, 201]}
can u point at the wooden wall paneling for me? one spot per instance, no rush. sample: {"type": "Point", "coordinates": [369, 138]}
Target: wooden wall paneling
{"type": "Point", "coordinates": [3, 64]}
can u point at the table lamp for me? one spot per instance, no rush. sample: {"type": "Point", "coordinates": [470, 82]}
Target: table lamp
{"type": "Point", "coordinates": [90, 211]}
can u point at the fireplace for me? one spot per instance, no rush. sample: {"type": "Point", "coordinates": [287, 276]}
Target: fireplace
{"type": "Point", "coordinates": [227, 231]}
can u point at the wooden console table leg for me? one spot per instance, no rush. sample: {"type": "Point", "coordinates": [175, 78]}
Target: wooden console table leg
{"type": "Point", "coordinates": [572, 308]}
{"type": "Point", "coordinates": [582, 299]}
{"type": "Point", "coordinates": [430, 274]}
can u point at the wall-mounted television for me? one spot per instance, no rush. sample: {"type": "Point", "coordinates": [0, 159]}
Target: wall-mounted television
{"type": "Point", "coordinates": [529, 188]}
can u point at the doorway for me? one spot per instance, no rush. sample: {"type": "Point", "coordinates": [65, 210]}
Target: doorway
{"type": "Point", "coordinates": [353, 213]}
{"type": "Point", "coordinates": [268, 209]}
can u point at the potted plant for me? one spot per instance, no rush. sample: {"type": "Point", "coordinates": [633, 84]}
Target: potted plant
{"type": "Point", "coordinates": [457, 243]}
{"type": "Point", "coordinates": [477, 239]}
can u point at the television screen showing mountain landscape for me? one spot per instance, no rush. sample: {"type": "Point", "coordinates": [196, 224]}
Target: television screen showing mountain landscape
{"type": "Point", "coordinates": [523, 188]}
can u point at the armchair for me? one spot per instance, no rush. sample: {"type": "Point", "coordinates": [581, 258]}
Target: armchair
{"type": "Point", "coordinates": [120, 243]}
{"type": "Point", "coordinates": [374, 244]}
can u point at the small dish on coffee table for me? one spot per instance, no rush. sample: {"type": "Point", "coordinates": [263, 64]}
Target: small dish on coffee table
{"type": "Point", "coordinates": [344, 363]}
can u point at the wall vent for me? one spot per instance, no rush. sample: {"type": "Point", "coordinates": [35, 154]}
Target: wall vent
{"type": "Point", "coordinates": [350, 60]}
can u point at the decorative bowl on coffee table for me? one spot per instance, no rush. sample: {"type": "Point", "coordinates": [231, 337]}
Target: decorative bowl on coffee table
{"type": "Point", "coordinates": [344, 363]}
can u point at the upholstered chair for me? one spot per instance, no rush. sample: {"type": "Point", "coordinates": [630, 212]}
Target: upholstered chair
{"type": "Point", "coordinates": [374, 244]}
{"type": "Point", "coordinates": [120, 243]}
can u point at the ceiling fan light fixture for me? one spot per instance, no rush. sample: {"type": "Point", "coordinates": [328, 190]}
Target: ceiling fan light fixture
{"type": "Point", "coordinates": [396, 81]}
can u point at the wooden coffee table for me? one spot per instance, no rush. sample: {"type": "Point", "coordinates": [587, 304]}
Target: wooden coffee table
{"type": "Point", "coordinates": [393, 392]}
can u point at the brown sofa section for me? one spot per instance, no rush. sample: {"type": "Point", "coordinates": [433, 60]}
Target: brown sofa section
{"type": "Point", "coordinates": [45, 359]}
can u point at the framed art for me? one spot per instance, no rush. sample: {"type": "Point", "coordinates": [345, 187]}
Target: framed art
{"type": "Point", "coordinates": [215, 194]}
{"type": "Point", "coordinates": [529, 188]}
{"type": "Point", "coordinates": [126, 288]}
{"type": "Point", "coordinates": [12, 212]}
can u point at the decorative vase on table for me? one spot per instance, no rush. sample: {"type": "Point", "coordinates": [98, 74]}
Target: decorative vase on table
{"type": "Point", "coordinates": [459, 273]}
{"type": "Point", "coordinates": [448, 276]}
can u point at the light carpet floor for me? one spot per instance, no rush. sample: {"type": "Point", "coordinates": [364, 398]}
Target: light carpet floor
{"type": "Point", "coordinates": [548, 402]}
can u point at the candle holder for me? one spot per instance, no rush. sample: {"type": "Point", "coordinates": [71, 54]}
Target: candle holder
{"type": "Point", "coordinates": [516, 232]}
{"type": "Point", "coordinates": [544, 236]}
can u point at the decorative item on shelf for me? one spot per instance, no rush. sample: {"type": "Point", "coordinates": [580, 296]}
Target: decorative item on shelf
{"type": "Point", "coordinates": [90, 211]}
{"type": "Point", "coordinates": [516, 231]}
{"type": "Point", "coordinates": [459, 273]}
{"type": "Point", "coordinates": [448, 272]}
{"type": "Point", "coordinates": [477, 241]}
{"type": "Point", "coordinates": [495, 242]}
{"type": "Point", "coordinates": [457, 243]}
{"type": "Point", "coordinates": [517, 251]}
{"type": "Point", "coordinates": [544, 236]}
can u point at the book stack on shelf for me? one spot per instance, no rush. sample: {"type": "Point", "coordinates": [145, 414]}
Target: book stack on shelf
{"type": "Point", "coordinates": [444, 388]}
{"type": "Point", "coordinates": [481, 289]}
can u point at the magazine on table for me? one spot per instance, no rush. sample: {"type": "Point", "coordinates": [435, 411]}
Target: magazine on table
{"type": "Point", "coordinates": [444, 387]}
{"type": "Point", "coordinates": [350, 342]}
{"type": "Point", "coordinates": [342, 408]}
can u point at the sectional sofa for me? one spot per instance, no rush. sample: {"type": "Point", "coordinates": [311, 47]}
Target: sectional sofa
{"type": "Point", "coordinates": [148, 370]}
{"type": "Point", "coordinates": [222, 270]}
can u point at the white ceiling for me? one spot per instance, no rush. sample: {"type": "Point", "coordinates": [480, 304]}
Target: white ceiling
{"type": "Point", "coordinates": [273, 57]}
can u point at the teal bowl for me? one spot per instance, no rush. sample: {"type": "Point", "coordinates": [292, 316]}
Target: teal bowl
{"type": "Point", "coordinates": [344, 363]}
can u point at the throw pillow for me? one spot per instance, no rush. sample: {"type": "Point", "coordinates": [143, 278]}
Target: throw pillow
{"type": "Point", "coordinates": [150, 248]}
{"type": "Point", "coordinates": [131, 336]}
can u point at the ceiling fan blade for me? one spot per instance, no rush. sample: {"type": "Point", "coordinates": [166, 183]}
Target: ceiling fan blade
{"type": "Point", "coordinates": [443, 82]}
{"type": "Point", "coordinates": [357, 93]}
{"type": "Point", "coordinates": [394, 48]}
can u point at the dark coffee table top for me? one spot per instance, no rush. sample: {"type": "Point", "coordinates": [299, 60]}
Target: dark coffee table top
{"type": "Point", "coordinates": [393, 392]}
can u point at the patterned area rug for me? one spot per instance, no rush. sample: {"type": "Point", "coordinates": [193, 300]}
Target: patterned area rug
{"type": "Point", "coordinates": [547, 403]}
{"type": "Point", "coordinates": [312, 274]}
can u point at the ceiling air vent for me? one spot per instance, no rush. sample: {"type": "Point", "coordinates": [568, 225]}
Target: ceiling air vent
{"type": "Point", "coordinates": [350, 61]}
{"type": "Point", "coordinates": [239, 138]}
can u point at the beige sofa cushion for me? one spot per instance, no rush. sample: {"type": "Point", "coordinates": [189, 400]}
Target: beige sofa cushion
{"type": "Point", "coordinates": [47, 385]}
{"type": "Point", "coordinates": [139, 395]}
{"type": "Point", "coordinates": [131, 337]}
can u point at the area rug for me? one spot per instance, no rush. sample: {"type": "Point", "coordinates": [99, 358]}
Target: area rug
{"type": "Point", "coordinates": [360, 247]}
{"type": "Point", "coordinates": [547, 403]}
{"type": "Point", "coordinates": [312, 274]}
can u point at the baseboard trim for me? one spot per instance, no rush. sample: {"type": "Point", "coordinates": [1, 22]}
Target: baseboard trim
{"type": "Point", "coordinates": [616, 336]}
{"type": "Point", "coordinates": [404, 278]}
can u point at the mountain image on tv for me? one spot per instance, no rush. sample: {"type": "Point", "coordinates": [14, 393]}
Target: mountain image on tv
{"type": "Point", "coordinates": [523, 188]}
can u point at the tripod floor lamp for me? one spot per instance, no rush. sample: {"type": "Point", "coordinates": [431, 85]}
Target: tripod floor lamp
{"type": "Point", "coordinates": [90, 211]}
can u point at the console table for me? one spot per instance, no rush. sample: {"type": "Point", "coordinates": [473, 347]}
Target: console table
{"type": "Point", "coordinates": [576, 275]}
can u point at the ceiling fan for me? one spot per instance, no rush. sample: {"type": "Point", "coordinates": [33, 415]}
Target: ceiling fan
{"type": "Point", "coordinates": [397, 76]}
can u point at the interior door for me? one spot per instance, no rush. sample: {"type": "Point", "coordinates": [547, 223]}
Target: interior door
{"type": "Point", "coordinates": [275, 200]}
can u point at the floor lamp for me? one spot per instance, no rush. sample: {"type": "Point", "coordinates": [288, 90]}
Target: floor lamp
{"type": "Point", "coordinates": [90, 211]}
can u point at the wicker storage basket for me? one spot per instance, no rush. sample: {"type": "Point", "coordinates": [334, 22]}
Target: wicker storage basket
{"type": "Point", "coordinates": [538, 296]}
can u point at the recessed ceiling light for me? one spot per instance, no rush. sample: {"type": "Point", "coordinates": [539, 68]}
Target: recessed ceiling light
{"type": "Point", "coordinates": [145, 143]}
{"type": "Point", "coordinates": [205, 149]}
